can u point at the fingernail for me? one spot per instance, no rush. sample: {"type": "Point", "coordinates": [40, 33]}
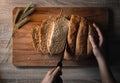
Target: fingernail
{"type": "Point", "coordinates": [93, 23]}
{"type": "Point", "coordinates": [58, 67]}
{"type": "Point", "coordinates": [89, 36]}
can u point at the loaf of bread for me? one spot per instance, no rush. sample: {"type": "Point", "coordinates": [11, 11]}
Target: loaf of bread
{"type": "Point", "coordinates": [57, 39]}
{"type": "Point", "coordinates": [71, 37]}
{"type": "Point", "coordinates": [81, 39]}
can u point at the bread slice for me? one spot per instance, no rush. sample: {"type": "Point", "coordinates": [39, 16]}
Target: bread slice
{"type": "Point", "coordinates": [43, 37]}
{"type": "Point", "coordinates": [71, 38]}
{"type": "Point", "coordinates": [81, 40]}
{"type": "Point", "coordinates": [57, 39]}
{"type": "Point", "coordinates": [35, 37]}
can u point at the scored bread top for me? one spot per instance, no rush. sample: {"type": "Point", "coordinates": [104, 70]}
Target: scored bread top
{"type": "Point", "coordinates": [81, 40]}
{"type": "Point", "coordinates": [58, 35]}
{"type": "Point", "coordinates": [72, 32]}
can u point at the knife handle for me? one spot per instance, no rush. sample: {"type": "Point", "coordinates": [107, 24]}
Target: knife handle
{"type": "Point", "coordinates": [58, 80]}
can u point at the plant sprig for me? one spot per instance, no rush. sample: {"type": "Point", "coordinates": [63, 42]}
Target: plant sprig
{"type": "Point", "coordinates": [28, 7]}
{"type": "Point", "coordinates": [27, 13]}
{"type": "Point", "coordinates": [19, 22]}
{"type": "Point", "coordinates": [17, 15]}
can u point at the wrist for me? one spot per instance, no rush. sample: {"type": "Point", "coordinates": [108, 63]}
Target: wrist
{"type": "Point", "coordinates": [98, 53]}
{"type": "Point", "coordinates": [100, 59]}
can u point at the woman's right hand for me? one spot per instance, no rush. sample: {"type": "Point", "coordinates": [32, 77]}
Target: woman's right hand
{"type": "Point", "coordinates": [106, 74]}
{"type": "Point", "coordinates": [51, 76]}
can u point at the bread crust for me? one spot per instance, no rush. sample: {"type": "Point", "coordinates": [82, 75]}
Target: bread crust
{"type": "Point", "coordinates": [72, 33]}
{"type": "Point", "coordinates": [71, 38]}
{"type": "Point", "coordinates": [81, 40]}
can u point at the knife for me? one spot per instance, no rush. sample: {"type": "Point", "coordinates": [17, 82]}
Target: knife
{"type": "Point", "coordinates": [58, 78]}
{"type": "Point", "coordinates": [61, 58]}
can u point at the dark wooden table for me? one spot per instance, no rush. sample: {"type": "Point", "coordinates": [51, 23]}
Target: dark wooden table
{"type": "Point", "coordinates": [11, 74]}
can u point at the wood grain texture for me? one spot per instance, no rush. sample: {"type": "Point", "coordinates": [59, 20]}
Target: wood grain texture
{"type": "Point", "coordinates": [18, 75]}
{"type": "Point", "coordinates": [23, 51]}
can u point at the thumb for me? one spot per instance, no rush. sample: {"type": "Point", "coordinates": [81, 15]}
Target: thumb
{"type": "Point", "coordinates": [92, 41]}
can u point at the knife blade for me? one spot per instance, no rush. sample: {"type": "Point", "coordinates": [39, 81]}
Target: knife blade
{"type": "Point", "coordinates": [61, 58]}
{"type": "Point", "coordinates": [58, 77]}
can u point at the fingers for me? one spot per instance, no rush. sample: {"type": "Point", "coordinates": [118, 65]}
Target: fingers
{"type": "Point", "coordinates": [99, 34]}
{"type": "Point", "coordinates": [50, 72]}
{"type": "Point", "coordinates": [56, 71]}
{"type": "Point", "coordinates": [92, 41]}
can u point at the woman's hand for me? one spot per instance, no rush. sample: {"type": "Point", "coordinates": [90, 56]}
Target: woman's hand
{"type": "Point", "coordinates": [106, 74]}
{"type": "Point", "coordinates": [51, 75]}
{"type": "Point", "coordinates": [96, 48]}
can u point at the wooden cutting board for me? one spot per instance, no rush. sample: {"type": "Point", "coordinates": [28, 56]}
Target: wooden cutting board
{"type": "Point", "coordinates": [23, 51]}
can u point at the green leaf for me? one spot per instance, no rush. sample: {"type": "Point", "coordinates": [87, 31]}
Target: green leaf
{"type": "Point", "coordinates": [17, 15]}
{"type": "Point", "coordinates": [22, 22]}
{"type": "Point", "coordinates": [27, 8]}
{"type": "Point", "coordinates": [27, 13]}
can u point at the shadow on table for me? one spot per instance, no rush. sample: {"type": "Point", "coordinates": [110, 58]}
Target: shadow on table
{"type": "Point", "coordinates": [113, 42]}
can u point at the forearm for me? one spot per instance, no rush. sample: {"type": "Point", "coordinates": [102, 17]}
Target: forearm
{"type": "Point", "coordinates": [105, 72]}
